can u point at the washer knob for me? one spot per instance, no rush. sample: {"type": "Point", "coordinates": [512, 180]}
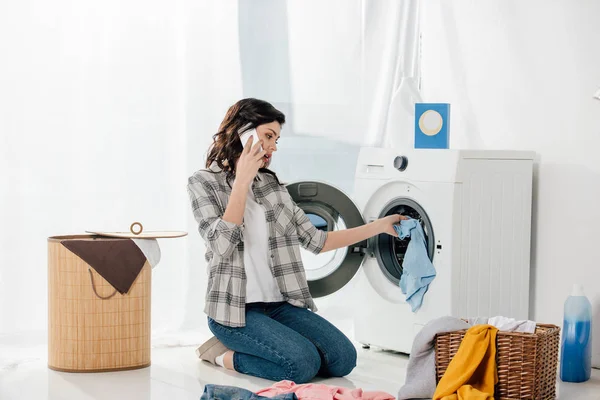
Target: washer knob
{"type": "Point", "coordinates": [400, 163]}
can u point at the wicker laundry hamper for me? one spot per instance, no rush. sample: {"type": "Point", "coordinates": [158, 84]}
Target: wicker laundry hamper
{"type": "Point", "coordinates": [91, 327]}
{"type": "Point", "coordinates": [526, 362]}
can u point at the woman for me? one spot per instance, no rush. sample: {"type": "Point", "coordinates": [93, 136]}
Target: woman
{"type": "Point", "coordinates": [258, 304]}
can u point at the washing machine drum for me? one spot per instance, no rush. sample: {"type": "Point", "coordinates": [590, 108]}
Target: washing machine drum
{"type": "Point", "coordinates": [330, 209]}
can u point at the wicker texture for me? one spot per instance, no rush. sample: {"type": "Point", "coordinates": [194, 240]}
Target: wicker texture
{"type": "Point", "coordinates": [90, 334]}
{"type": "Point", "coordinates": [526, 363]}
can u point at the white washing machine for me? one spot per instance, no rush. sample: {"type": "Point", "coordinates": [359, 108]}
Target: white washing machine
{"type": "Point", "coordinates": [475, 210]}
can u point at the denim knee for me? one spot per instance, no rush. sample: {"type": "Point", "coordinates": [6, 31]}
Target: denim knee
{"type": "Point", "coordinates": [304, 365]}
{"type": "Point", "coordinates": [343, 362]}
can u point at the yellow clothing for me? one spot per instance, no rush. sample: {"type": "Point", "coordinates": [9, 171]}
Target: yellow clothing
{"type": "Point", "coordinates": [472, 373]}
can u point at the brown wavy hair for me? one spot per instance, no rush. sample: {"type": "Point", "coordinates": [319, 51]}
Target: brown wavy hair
{"type": "Point", "coordinates": [244, 115]}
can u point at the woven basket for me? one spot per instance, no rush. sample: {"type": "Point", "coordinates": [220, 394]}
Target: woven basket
{"type": "Point", "coordinates": [526, 362]}
{"type": "Point", "coordinates": [91, 328]}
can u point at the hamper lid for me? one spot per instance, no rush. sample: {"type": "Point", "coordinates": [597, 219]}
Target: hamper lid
{"type": "Point", "coordinates": [136, 230]}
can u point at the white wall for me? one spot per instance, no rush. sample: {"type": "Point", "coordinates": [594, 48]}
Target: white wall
{"type": "Point", "coordinates": [521, 75]}
{"type": "Point", "coordinates": [92, 132]}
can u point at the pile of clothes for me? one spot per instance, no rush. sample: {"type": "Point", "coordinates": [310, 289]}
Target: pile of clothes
{"type": "Point", "coordinates": [287, 390]}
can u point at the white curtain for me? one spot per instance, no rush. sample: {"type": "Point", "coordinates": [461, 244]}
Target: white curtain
{"type": "Point", "coordinates": [92, 136]}
{"type": "Point", "coordinates": [107, 108]}
{"type": "Point", "coordinates": [391, 78]}
{"type": "Point", "coordinates": [345, 72]}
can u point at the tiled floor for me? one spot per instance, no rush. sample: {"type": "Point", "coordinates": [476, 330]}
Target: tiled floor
{"type": "Point", "coordinates": [176, 373]}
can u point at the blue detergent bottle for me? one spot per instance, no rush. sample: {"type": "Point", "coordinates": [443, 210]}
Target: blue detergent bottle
{"type": "Point", "coordinates": [576, 343]}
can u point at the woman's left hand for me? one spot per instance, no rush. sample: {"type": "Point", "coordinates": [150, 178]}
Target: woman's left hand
{"type": "Point", "coordinates": [387, 223]}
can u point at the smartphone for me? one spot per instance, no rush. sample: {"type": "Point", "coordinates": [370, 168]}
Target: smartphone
{"type": "Point", "coordinates": [246, 135]}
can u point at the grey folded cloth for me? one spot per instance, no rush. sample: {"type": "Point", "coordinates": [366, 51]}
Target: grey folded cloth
{"type": "Point", "coordinates": [150, 248]}
{"type": "Point", "coordinates": [420, 380]}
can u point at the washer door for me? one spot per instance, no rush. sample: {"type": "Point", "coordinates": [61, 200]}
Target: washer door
{"type": "Point", "coordinates": [329, 209]}
{"type": "Point", "coordinates": [389, 250]}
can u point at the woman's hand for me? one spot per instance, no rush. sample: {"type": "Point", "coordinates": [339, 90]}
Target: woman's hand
{"type": "Point", "coordinates": [249, 162]}
{"type": "Point", "coordinates": [387, 223]}
{"type": "Point", "coordinates": [247, 167]}
{"type": "Point", "coordinates": [338, 239]}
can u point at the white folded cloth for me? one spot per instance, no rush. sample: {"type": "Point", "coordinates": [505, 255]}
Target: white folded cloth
{"type": "Point", "coordinates": [150, 249]}
{"type": "Point", "coordinates": [506, 324]}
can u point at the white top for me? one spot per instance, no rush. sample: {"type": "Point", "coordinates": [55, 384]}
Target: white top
{"type": "Point", "coordinates": [261, 286]}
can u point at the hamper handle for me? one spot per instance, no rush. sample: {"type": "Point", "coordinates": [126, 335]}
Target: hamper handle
{"type": "Point", "coordinates": [94, 287]}
{"type": "Point", "coordinates": [137, 231]}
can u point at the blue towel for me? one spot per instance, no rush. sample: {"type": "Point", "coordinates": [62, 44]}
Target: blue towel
{"type": "Point", "coordinates": [418, 271]}
{"type": "Point", "coordinates": [221, 392]}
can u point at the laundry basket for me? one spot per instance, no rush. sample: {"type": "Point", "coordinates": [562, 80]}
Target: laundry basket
{"type": "Point", "coordinates": [526, 362]}
{"type": "Point", "coordinates": [92, 327]}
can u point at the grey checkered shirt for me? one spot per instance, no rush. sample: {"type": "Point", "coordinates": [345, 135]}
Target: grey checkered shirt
{"type": "Point", "coordinates": [289, 228]}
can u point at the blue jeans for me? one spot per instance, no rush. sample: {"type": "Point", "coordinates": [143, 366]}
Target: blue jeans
{"type": "Point", "coordinates": [283, 342]}
{"type": "Point", "coordinates": [220, 392]}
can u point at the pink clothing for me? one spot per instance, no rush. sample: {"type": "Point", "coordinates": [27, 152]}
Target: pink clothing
{"type": "Point", "coordinates": [314, 391]}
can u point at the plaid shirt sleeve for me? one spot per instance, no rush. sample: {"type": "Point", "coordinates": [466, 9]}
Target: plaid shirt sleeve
{"type": "Point", "coordinates": [221, 237]}
{"type": "Point", "coordinates": [311, 238]}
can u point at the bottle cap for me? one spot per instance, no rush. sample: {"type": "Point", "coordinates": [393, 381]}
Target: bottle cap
{"type": "Point", "coordinates": [577, 290]}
